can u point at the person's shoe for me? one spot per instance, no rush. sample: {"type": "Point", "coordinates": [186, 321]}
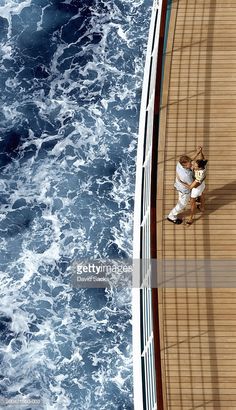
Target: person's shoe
{"type": "Point", "coordinates": [189, 222]}
{"type": "Point", "coordinates": [177, 221]}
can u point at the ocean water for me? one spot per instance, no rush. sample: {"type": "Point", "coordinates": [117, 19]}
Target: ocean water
{"type": "Point", "coordinates": [70, 87]}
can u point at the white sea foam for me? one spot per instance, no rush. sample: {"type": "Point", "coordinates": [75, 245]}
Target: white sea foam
{"type": "Point", "coordinates": [67, 189]}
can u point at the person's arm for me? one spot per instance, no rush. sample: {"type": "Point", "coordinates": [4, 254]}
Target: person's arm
{"type": "Point", "coordinates": [199, 152]}
{"type": "Point", "coordinates": [194, 184]}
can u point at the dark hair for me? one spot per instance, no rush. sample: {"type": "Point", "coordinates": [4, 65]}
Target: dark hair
{"type": "Point", "coordinates": [201, 163]}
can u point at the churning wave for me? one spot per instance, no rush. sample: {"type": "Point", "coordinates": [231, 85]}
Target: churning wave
{"type": "Point", "coordinates": [70, 83]}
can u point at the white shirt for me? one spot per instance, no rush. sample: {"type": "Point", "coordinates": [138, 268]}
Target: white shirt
{"type": "Point", "coordinates": [200, 175]}
{"type": "Point", "coordinates": [186, 175]}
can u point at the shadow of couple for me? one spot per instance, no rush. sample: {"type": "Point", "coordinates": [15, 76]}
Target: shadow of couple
{"type": "Point", "coordinates": [216, 199]}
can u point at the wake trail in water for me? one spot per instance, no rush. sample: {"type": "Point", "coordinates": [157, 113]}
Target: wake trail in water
{"type": "Point", "coordinates": [70, 89]}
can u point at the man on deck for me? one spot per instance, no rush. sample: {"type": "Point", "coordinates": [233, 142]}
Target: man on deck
{"type": "Point", "coordinates": [184, 173]}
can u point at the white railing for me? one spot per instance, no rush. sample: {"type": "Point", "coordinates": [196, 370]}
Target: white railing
{"type": "Point", "coordinates": [145, 396]}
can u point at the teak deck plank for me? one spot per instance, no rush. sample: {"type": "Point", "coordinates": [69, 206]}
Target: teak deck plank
{"type": "Point", "coordinates": [198, 107]}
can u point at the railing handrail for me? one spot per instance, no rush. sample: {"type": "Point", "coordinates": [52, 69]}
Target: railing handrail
{"type": "Point", "coordinates": [145, 193]}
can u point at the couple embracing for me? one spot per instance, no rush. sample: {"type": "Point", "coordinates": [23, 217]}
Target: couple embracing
{"type": "Point", "coordinates": [190, 184]}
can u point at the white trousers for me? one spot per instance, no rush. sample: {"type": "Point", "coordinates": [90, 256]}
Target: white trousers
{"type": "Point", "coordinates": [181, 204]}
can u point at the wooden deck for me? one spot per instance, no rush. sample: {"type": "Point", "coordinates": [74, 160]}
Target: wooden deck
{"type": "Point", "coordinates": [198, 326]}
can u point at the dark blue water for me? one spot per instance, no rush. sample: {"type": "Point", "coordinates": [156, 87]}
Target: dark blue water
{"type": "Point", "coordinates": [70, 87]}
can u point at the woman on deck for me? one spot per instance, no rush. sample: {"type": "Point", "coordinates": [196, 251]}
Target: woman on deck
{"type": "Point", "coordinates": [198, 185]}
